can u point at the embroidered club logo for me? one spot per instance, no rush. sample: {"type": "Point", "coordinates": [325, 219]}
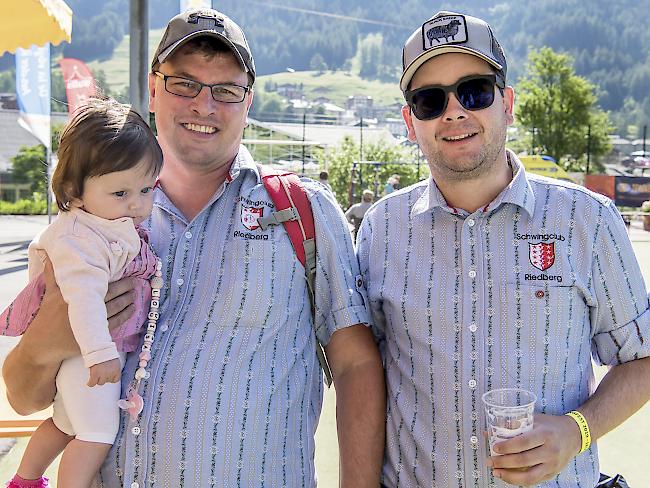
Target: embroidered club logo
{"type": "Point", "coordinates": [542, 255]}
{"type": "Point", "coordinates": [249, 216]}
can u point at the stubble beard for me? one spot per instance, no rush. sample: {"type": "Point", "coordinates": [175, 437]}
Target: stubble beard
{"type": "Point", "coordinates": [474, 168]}
{"type": "Point", "coordinates": [204, 160]}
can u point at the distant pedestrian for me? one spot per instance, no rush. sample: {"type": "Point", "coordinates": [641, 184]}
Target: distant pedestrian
{"type": "Point", "coordinates": [324, 179]}
{"type": "Point", "coordinates": [392, 184]}
{"type": "Point", "coordinates": [356, 212]}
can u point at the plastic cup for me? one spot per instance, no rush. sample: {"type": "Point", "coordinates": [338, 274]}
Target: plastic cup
{"type": "Point", "coordinates": [509, 413]}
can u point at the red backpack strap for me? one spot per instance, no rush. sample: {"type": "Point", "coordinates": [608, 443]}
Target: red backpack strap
{"type": "Point", "coordinates": [293, 210]}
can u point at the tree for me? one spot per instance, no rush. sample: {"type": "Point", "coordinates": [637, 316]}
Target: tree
{"type": "Point", "coordinates": [559, 109]}
{"type": "Point", "coordinates": [8, 81]}
{"type": "Point", "coordinates": [267, 104]}
{"type": "Point", "coordinates": [340, 162]}
{"type": "Point", "coordinates": [29, 164]}
{"type": "Point", "coordinates": [317, 63]}
{"type": "Point", "coordinates": [370, 56]}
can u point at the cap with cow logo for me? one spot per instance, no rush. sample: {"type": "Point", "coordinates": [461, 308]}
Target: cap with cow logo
{"type": "Point", "coordinates": [199, 22]}
{"type": "Point", "coordinates": [449, 32]}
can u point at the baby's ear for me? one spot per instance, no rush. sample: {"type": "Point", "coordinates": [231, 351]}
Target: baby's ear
{"type": "Point", "coordinates": [76, 203]}
{"type": "Point", "coordinates": [73, 201]}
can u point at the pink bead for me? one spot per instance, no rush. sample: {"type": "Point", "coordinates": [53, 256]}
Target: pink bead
{"type": "Point", "coordinates": [145, 355]}
{"type": "Point", "coordinates": [142, 364]}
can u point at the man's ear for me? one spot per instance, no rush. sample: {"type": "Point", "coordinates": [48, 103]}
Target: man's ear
{"type": "Point", "coordinates": [407, 115]}
{"type": "Point", "coordinates": [249, 99]}
{"type": "Point", "coordinates": [509, 104]}
{"type": "Point", "coordinates": [152, 90]}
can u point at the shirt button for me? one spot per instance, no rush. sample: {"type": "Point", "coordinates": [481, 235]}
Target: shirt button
{"type": "Point", "coordinates": [188, 235]}
{"type": "Point", "coordinates": [471, 222]}
{"type": "Point", "coordinates": [473, 327]}
{"type": "Point", "coordinates": [135, 485]}
{"type": "Point", "coordinates": [164, 328]}
{"type": "Point", "coordinates": [472, 384]}
{"type": "Point", "coordinates": [473, 439]}
{"type": "Point", "coordinates": [472, 274]}
{"type": "Point", "coordinates": [135, 430]}
{"type": "Point", "coordinates": [180, 281]}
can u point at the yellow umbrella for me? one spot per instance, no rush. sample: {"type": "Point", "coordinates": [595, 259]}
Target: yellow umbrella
{"type": "Point", "coordinates": [27, 22]}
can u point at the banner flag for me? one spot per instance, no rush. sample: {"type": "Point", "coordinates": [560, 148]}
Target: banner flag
{"type": "Point", "coordinates": [33, 91]}
{"type": "Point", "coordinates": [79, 83]}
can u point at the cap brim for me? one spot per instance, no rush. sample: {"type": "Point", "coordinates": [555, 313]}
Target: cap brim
{"type": "Point", "coordinates": [163, 56]}
{"type": "Point", "coordinates": [431, 53]}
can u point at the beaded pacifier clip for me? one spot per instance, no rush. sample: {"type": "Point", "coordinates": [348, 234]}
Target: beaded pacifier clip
{"type": "Point", "coordinates": [134, 402]}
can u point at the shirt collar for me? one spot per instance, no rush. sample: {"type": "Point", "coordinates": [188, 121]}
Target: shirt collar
{"type": "Point", "coordinates": [243, 162]}
{"type": "Point", "coordinates": [518, 192]}
{"type": "Point", "coordinates": [431, 198]}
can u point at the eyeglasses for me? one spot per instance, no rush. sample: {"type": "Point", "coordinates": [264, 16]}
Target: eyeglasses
{"type": "Point", "coordinates": [221, 92]}
{"type": "Point", "coordinates": [474, 92]}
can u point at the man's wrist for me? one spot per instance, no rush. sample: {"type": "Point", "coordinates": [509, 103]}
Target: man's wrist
{"type": "Point", "coordinates": [583, 427]}
{"type": "Point", "coordinates": [34, 353]}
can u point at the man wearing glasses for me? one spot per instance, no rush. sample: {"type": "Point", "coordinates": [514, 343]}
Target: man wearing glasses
{"type": "Point", "coordinates": [486, 277]}
{"type": "Point", "coordinates": [235, 389]}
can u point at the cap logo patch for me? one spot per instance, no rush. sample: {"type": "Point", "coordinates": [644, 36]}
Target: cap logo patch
{"type": "Point", "coordinates": [449, 29]}
{"type": "Point", "coordinates": [196, 16]}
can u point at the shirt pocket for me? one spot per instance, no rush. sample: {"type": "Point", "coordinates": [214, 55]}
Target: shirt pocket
{"type": "Point", "coordinates": [540, 338]}
{"type": "Point", "coordinates": [254, 276]}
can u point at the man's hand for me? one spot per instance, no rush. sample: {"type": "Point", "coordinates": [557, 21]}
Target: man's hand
{"type": "Point", "coordinates": [538, 455]}
{"type": "Point", "coordinates": [119, 302]}
{"type": "Point", "coordinates": [106, 372]}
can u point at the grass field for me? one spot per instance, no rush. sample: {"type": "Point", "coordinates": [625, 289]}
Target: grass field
{"type": "Point", "coordinates": [335, 85]}
{"type": "Point", "coordinates": [116, 69]}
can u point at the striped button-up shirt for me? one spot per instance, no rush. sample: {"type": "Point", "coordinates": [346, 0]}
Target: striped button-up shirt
{"type": "Point", "coordinates": [521, 293]}
{"type": "Point", "coordinates": [235, 388]}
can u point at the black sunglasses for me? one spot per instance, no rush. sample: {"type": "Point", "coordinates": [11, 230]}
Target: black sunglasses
{"type": "Point", "coordinates": [474, 92]}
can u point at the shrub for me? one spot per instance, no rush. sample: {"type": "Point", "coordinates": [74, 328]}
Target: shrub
{"type": "Point", "coordinates": [24, 207]}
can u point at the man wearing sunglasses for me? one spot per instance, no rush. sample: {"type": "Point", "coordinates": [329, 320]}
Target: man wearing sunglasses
{"type": "Point", "coordinates": [486, 277]}
{"type": "Point", "coordinates": [235, 388]}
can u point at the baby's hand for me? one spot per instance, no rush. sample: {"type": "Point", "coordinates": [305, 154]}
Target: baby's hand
{"type": "Point", "coordinates": [106, 372]}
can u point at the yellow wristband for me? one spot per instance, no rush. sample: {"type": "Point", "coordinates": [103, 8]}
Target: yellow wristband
{"type": "Point", "coordinates": [584, 429]}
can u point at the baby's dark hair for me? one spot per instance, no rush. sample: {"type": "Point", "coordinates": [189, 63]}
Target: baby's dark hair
{"type": "Point", "coordinates": [104, 136]}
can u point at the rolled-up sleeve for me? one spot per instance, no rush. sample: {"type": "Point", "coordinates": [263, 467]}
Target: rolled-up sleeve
{"type": "Point", "coordinates": [340, 294]}
{"type": "Point", "coordinates": [364, 252]}
{"type": "Point", "coordinates": [621, 317]}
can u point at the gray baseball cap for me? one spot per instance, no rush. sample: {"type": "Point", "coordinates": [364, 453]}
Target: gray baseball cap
{"type": "Point", "coordinates": [449, 32]}
{"type": "Point", "coordinates": [199, 22]}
